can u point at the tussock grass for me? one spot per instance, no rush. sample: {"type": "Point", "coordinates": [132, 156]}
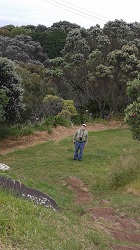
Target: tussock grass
{"type": "Point", "coordinates": [45, 167]}
{"type": "Point", "coordinates": [126, 169]}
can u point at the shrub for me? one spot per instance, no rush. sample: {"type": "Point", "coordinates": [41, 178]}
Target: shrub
{"type": "Point", "coordinates": [60, 120]}
{"type": "Point", "coordinates": [132, 112]}
{"type": "Point", "coordinates": [132, 117]}
{"type": "Point", "coordinates": [15, 130]}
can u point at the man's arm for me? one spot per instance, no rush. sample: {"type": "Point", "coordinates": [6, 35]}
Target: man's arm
{"type": "Point", "coordinates": [86, 137]}
{"type": "Point", "coordinates": [74, 138]}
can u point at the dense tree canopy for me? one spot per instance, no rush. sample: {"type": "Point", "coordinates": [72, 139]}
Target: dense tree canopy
{"type": "Point", "coordinates": [90, 66]}
{"type": "Point", "coordinates": [50, 40]}
{"type": "Point", "coordinates": [22, 48]}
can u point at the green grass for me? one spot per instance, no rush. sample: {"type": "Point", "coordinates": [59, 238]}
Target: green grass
{"type": "Point", "coordinates": [26, 226]}
{"type": "Point", "coordinates": [108, 155]}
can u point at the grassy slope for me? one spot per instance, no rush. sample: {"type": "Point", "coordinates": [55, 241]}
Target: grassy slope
{"type": "Point", "coordinates": [44, 167]}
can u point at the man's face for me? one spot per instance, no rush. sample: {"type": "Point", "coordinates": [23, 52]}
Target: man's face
{"type": "Point", "coordinates": [83, 127]}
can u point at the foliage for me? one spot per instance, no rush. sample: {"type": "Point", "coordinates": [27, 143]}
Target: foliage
{"type": "Point", "coordinates": [91, 65]}
{"type": "Point", "coordinates": [68, 109]}
{"type": "Point", "coordinates": [65, 26]}
{"type": "Point", "coordinates": [133, 89]}
{"type": "Point", "coordinates": [15, 130]}
{"type": "Point", "coordinates": [81, 117]}
{"type": "Point", "coordinates": [53, 104]}
{"type": "Point", "coordinates": [57, 82]}
{"type": "Point", "coordinates": [4, 32]}
{"type": "Point", "coordinates": [127, 173]}
{"type": "Point", "coordinates": [19, 31]}
{"type": "Point", "coordinates": [51, 41]}
{"type": "Point", "coordinates": [132, 117]}
{"type": "Point", "coordinates": [117, 33]}
{"type": "Point", "coordinates": [132, 112]}
{"type": "Point", "coordinates": [35, 89]}
{"type": "Point", "coordinates": [22, 48]}
{"type": "Point", "coordinates": [11, 92]}
{"type": "Point", "coordinates": [46, 124]}
{"type": "Point", "coordinates": [62, 121]}
{"type": "Point", "coordinates": [65, 116]}
{"type": "Point", "coordinates": [3, 101]}
{"type": "Point", "coordinates": [76, 43]}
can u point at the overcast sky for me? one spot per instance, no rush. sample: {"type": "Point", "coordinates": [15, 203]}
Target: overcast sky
{"type": "Point", "coordinates": [85, 13]}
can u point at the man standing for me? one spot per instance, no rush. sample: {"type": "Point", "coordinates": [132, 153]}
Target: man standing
{"type": "Point", "coordinates": [80, 139]}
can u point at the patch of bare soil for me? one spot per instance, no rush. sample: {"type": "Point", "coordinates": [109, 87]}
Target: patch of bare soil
{"type": "Point", "coordinates": [58, 133]}
{"type": "Point", "coordinates": [123, 230]}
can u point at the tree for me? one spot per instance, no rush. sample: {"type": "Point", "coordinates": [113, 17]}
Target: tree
{"type": "Point", "coordinates": [22, 49]}
{"type": "Point", "coordinates": [76, 43]}
{"type": "Point", "coordinates": [126, 66]}
{"type": "Point", "coordinates": [132, 112]}
{"type": "Point", "coordinates": [68, 110]}
{"type": "Point", "coordinates": [67, 113]}
{"type": "Point", "coordinates": [64, 26]}
{"type": "Point", "coordinates": [19, 31]}
{"type": "Point", "coordinates": [3, 102]}
{"type": "Point", "coordinates": [57, 83]}
{"type": "Point", "coordinates": [35, 88]}
{"type": "Point", "coordinates": [117, 32]}
{"type": "Point", "coordinates": [4, 32]}
{"type": "Point", "coordinates": [53, 105]}
{"type": "Point", "coordinates": [9, 27]}
{"type": "Point", "coordinates": [89, 66]}
{"type": "Point", "coordinates": [52, 41]}
{"type": "Point", "coordinates": [98, 40]}
{"type": "Point", "coordinates": [11, 91]}
{"type": "Point", "coordinates": [99, 86]}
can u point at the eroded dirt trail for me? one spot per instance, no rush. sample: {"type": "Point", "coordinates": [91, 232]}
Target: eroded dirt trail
{"type": "Point", "coordinates": [58, 133]}
{"type": "Point", "coordinates": [124, 230]}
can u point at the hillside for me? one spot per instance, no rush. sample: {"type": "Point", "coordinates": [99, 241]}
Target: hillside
{"type": "Point", "coordinates": [93, 216]}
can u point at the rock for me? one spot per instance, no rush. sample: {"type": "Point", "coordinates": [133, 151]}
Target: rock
{"type": "Point", "coordinates": [19, 189]}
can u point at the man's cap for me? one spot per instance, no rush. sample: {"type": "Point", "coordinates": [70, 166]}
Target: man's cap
{"type": "Point", "coordinates": [84, 125]}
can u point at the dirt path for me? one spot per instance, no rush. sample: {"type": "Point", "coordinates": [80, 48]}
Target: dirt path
{"type": "Point", "coordinates": [58, 133]}
{"type": "Point", "coordinates": [125, 231]}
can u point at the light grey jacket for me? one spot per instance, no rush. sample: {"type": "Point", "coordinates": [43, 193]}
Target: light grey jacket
{"type": "Point", "coordinates": [81, 133]}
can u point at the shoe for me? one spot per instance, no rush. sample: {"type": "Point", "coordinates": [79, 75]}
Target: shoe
{"type": "Point", "coordinates": [74, 159]}
{"type": "Point", "coordinates": [79, 159]}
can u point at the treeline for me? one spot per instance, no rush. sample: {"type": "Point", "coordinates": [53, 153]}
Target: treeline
{"type": "Point", "coordinates": [41, 68]}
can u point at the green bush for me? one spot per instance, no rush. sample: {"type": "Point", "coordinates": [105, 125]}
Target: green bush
{"type": "Point", "coordinates": [26, 130]}
{"type": "Point", "coordinates": [132, 112]}
{"type": "Point", "coordinates": [45, 125]}
{"type": "Point", "coordinates": [132, 117]}
{"type": "Point", "coordinates": [62, 121]}
{"type": "Point", "coordinates": [79, 119]}
{"type": "Point", "coordinates": [15, 130]}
